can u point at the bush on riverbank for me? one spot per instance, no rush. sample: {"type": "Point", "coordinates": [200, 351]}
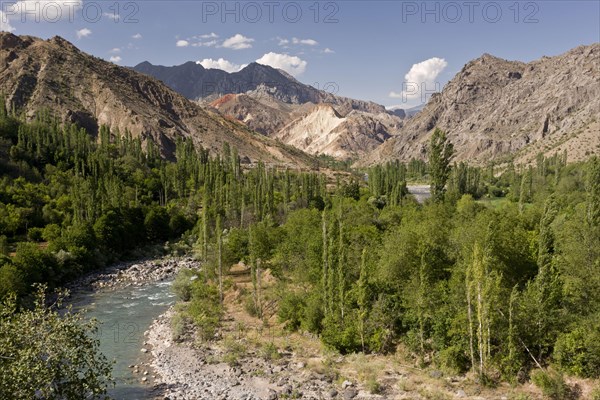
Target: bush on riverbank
{"type": "Point", "coordinates": [200, 304]}
{"type": "Point", "coordinates": [50, 355]}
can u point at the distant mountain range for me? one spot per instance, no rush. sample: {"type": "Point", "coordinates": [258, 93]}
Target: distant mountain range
{"type": "Point", "coordinates": [313, 128]}
{"type": "Point", "coordinates": [492, 109]}
{"type": "Point", "coordinates": [198, 83]}
{"type": "Point", "coordinates": [275, 104]}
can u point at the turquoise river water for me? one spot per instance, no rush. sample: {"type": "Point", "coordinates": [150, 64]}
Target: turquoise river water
{"type": "Point", "coordinates": [125, 313]}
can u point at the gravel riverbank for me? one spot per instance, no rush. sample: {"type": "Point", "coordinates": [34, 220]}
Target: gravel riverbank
{"type": "Point", "coordinates": [133, 273]}
{"type": "Point", "coordinates": [186, 372]}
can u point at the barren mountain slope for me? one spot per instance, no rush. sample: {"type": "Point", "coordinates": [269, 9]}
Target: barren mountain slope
{"type": "Point", "coordinates": [324, 131]}
{"type": "Point", "coordinates": [197, 83]}
{"type": "Point", "coordinates": [53, 74]}
{"type": "Point", "coordinates": [314, 128]}
{"type": "Point", "coordinates": [497, 109]}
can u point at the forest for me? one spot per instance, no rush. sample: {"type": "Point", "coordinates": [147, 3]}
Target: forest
{"type": "Point", "coordinates": [498, 273]}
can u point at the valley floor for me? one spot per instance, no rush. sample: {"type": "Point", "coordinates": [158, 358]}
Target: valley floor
{"type": "Point", "coordinates": [250, 359]}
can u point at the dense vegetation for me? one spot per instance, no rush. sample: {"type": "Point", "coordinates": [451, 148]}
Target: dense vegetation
{"type": "Point", "coordinates": [70, 203]}
{"type": "Point", "coordinates": [498, 273]}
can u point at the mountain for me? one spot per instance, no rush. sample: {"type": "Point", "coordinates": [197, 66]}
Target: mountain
{"type": "Point", "coordinates": [398, 112]}
{"type": "Point", "coordinates": [411, 112]}
{"type": "Point", "coordinates": [268, 100]}
{"type": "Point", "coordinates": [198, 83]}
{"type": "Point", "coordinates": [495, 109]}
{"type": "Point", "coordinates": [263, 114]}
{"type": "Point", "coordinates": [314, 128]}
{"type": "Point", "coordinates": [324, 131]}
{"type": "Point", "coordinates": [53, 74]}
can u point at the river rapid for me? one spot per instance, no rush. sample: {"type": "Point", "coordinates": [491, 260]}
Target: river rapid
{"type": "Point", "coordinates": [125, 301]}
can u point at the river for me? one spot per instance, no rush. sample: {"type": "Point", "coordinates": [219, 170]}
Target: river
{"type": "Point", "coordinates": [125, 313]}
{"type": "Point", "coordinates": [420, 192]}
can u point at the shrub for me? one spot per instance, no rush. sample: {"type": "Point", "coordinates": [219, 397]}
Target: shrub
{"type": "Point", "coordinates": [250, 307]}
{"type": "Point", "coordinates": [205, 308]}
{"type": "Point", "coordinates": [454, 359]}
{"type": "Point", "coordinates": [596, 393]}
{"type": "Point", "coordinates": [552, 384]}
{"type": "Point", "coordinates": [4, 248]}
{"type": "Point", "coordinates": [11, 281]}
{"type": "Point", "coordinates": [312, 320]}
{"type": "Point", "coordinates": [270, 352]}
{"type": "Point", "coordinates": [178, 326]}
{"type": "Point", "coordinates": [578, 351]}
{"type": "Point", "coordinates": [36, 265]}
{"type": "Point", "coordinates": [178, 224]}
{"type": "Point", "coordinates": [291, 309]}
{"type": "Point", "coordinates": [52, 354]}
{"type": "Point", "coordinates": [157, 224]}
{"type": "Point", "coordinates": [182, 286]}
{"type": "Point", "coordinates": [35, 234]}
{"type": "Point", "coordinates": [373, 386]}
{"type": "Point", "coordinates": [51, 232]}
{"type": "Point", "coordinates": [234, 351]}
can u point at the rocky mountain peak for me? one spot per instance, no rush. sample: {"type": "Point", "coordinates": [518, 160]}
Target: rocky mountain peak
{"type": "Point", "coordinates": [494, 109]}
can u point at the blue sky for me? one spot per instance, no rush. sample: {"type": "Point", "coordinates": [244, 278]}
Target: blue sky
{"type": "Point", "coordinates": [360, 49]}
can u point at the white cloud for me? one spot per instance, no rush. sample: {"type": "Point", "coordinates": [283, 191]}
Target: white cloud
{"type": "Point", "coordinates": [115, 59]}
{"type": "Point", "coordinates": [308, 42]}
{"type": "Point", "coordinates": [112, 15]}
{"type": "Point", "coordinates": [285, 42]}
{"type": "Point", "coordinates": [83, 33]}
{"type": "Point", "coordinates": [328, 51]}
{"type": "Point", "coordinates": [238, 42]}
{"type": "Point", "coordinates": [115, 50]}
{"type": "Point", "coordinates": [182, 43]}
{"type": "Point", "coordinates": [137, 36]}
{"type": "Point", "coordinates": [5, 23]}
{"type": "Point", "coordinates": [211, 35]}
{"type": "Point", "coordinates": [292, 65]}
{"type": "Point", "coordinates": [221, 63]}
{"type": "Point", "coordinates": [420, 80]}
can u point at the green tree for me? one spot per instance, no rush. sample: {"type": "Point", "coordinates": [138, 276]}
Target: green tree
{"type": "Point", "coordinates": [363, 297]}
{"type": "Point", "coordinates": [543, 303]}
{"type": "Point", "coordinates": [45, 354]}
{"type": "Point", "coordinates": [109, 230]}
{"type": "Point", "coordinates": [483, 287]}
{"type": "Point", "coordinates": [157, 224]}
{"type": "Point", "coordinates": [440, 155]}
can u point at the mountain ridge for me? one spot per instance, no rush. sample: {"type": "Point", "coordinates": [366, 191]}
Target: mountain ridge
{"type": "Point", "coordinates": [198, 83]}
{"type": "Point", "coordinates": [496, 109]}
{"type": "Point", "coordinates": [54, 74]}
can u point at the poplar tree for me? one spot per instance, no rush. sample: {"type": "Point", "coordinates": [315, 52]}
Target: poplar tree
{"type": "Point", "coordinates": [440, 155]}
{"type": "Point", "coordinates": [363, 297]}
{"type": "Point", "coordinates": [483, 286]}
{"type": "Point", "coordinates": [219, 234]}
